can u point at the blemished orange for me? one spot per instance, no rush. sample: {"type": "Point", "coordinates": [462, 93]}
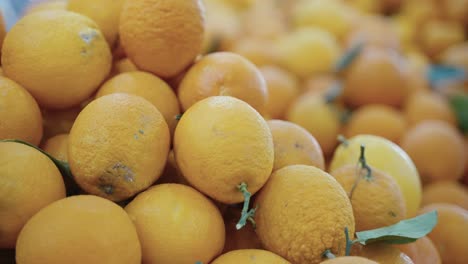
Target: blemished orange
{"type": "Point", "coordinates": [222, 142]}
{"type": "Point", "coordinates": [87, 227]}
{"type": "Point", "coordinates": [282, 90]}
{"type": "Point", "coordinates": [451, 192]}
{"type": "Point", "coordinates": [449, 234]}
{"type": "Point", "coordinates": [29, 182]}
{"type": "Point", "coordinates": [375, 196]}
{"type": "Point", "coordinates": [377, 76]}
{"type": "Point", "coordinates": [162, 36]}
{"type": "Point", "coordinates": [57, 146]}
{"type": "Point", "coordinates": [321, 119]}
{"type": "Point", "coordinates": [148, 86]}
{"type": "Point", "coordinates": [302, 212]}
{"type": "Point", "coordinates": [118, 146]}
{"type": "Point", "coordinates": [294, 145]}
{"type": "Point", "coordinates": [105, 13]}
{"type": "Point", "coordinates": [60, 57]}
{"type": "Point", "coordinates": [171, 220]}
{"type": "Point", "coordinates": [437, 149]}
{"type": "Point", "coordinates": [426, 105]}
{"type": "Point", "coordinates": [20, 114]}
{"type": "Point", "coordinates": [382, 253]}
{"type": "Point", "coordinates": [422, 251]}
{"type": "Point", "coordinates": [245, 238]}
{"type": "Point", "coordinates": [379, 120]}
{"type": "Point", "coordinates": [349, 260]}
{"type": "Point", "coordinates": [223, 74]}
{"type": "Point", "coordinates": [250, 256]}
{"type": "Point", "coordinates": [58, 121]}
{"type": "Point", "coordinates": [48, 5]}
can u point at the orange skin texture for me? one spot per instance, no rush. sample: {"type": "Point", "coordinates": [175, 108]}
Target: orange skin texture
{"type": "Point", "coordinates": [118, 146]}
{"type": "Point", "coordinates": [250, 256]}
{"type": "Point", "coordinates": [377, 76]}
{"type": "Point", "coordinates": [87, 227]}
{"type": "Point", "coordinates": [223, 74]}
{"type": "Point", "coordinates": [303, 211]}
{"type": "Point", "coordinates": [294, 145]}
{"type": "Point", "coordinates": [382, 253]}
{"type": "Point", "coordinates": [162, 37]}
{"type": "Point", "coordinates": [148, 86]}
{"type": "Point", "coordinates": [422, 251]}
{"type": "Point", "coordinates": [450, 192]}
{"type": "Point", "coordinates": [377, 202]}
{"type": "Point", "coordinates": [57, 146]}
{"type": "Point", "coordinates": [437, 150]}
{"type": "Point", "coordinates": [424, 106]}
{"type": "Point", "coordinates": [379, 120]}
{"type": "Point", "coordinates": [449, 236]}
{"type": "Point", "coordinates": [29, 181]}
{"type": "Point", "coordinates": [221, 142]}
{"type": "Point", "coordinates": [19, 112]}
{"type": "Point", "coordinates": [60, 57]}
{"type": "Point", "coordinates": [171, 220]}
{"type": "Point", "coordinates": [349, 260]}
{"type": "Point", "coordinates": [245, 238]}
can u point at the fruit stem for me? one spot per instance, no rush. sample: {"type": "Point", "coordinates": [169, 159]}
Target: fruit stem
{"type": "Point", "coordinates": [246, 213]}
{"type": "Point", "coordinates": [363, 162]}
{"type": "Point", "coordinates": [333, 93]}
{"type": "Point", "coordinates": [328, 254]}
{"type": "Point", "coordinates": [343, 140]}
{"type": "Point", "coordinates": [178, 117]}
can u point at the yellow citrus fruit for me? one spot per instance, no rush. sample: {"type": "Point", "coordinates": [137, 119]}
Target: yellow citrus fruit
{"type": "Point", "coordinates": [379, 120]}
{"type": "Point", "coordinates": [87, 227]}
{"type": "Point", "coordinates": [172, 220]}
{"type": "Point", "coordinates": [282, 90]}
{"type": "Point", "coordinates": [60, 57]}
{"type": "Point", "coordinates": [118, 146]}
{"type": "Point", "coordinates": [221, 142]}
{"type": "Point", "coordinates": [48, 5]}
{"type": "Point", "coordinates": [321, 119]}
{"type": "Point", "coordinates": [29, 181]}
{"type": "Point", "coordinates": [424, 106]}
{"type": "Point", "coordinates": [302, 212]}
{"type": "Point", "coordinates": [450, 192]}
{"type": "Point", "coordinates": [162, 36]}
{"type": "Point", "coordinates": [294, 145]}
{"type": "Point", "coordinates": [449, 234]}
{"type": "Point", "coordinates": [57, 146]}
{"type": "Point", "coordinates": [148, 86]}
{"type": "Point", "coordinates": [105, 13]}
{"type": "Point", "coordinates": [384, 254]}
{"type": "Point", "coordinates": [19, 112]}
{"type": "Point", "coordinates": [250, 256]}
{"type": "Point", "coordinates": [257, 22]}
{"type": "Point", "coordinates": [422, 251]}
{"type": "Point", "coordinates": [374, 31]}
{"type": "Point", "coordinates": [259, 51]}
{"type": "Point", "coordinates": [349, 260]}
{"type": "Point", "coordinates": [308, 51]}
{"type": "Point", "coordinates": [223, 74]}
{"type": "Point", "coordinates": [124, 65]}
{"type": "Point", "coordinates": [437, 35]}
{"type": "Point", "coordinates": [437, 150]}
{"type": "Point", "coordinates": [59, 121]}
{"type": "Point", "coordinates": [456, 55]}
{"type": "Point", "coordinates": [245, 238]}
{"type": "Point", "coordinates": [377, 76]}
{"type": "Point", "coordinates": [388, 157]}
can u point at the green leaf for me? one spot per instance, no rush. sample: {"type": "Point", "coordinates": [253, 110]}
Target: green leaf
{"type": "Point", "coordinates": [459, 105]}
{"type": "Point", "coordinates": [403, 232]}
{"type": "Point", "coordinates": [349, 57]}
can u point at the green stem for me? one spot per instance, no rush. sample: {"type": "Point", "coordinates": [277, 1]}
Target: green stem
{"type": "Point", "coordinates": [364, 165]}
{"type": "Point", "coordinates": [246, 214]}
{"type": "Point", "coordinates": [178, 117]}
{"type": "Point", "coordinates": [333, 92]}
{"type": "Point", "coordinates": [328, 254]}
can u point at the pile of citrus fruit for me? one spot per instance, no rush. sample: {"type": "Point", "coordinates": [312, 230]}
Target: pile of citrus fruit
{"type": "Point", "coordinates": [229, 131]}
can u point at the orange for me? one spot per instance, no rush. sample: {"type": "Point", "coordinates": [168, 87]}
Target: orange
{"type": "Point", "coordinates": [124, 65]}
{"type": "Point", "coordinates": [322, 120]}
{"type": "Point", "coordinates": [87, 227]}
{"type": "Point", "coordinates": [60, 57]}
{"type": "Point", "coordinates": [222, 142]}
{"type": "Point", "coordinates": [258, 51]}
{"type": "Point", "coordinates": [377, 76]}
{"type": "Point", "coordinates": [450, 192]}
{"type": "Point", "coordinates": [437, 150]}
{"type": "Point", "coordinates": [319, 84]}
{"type": "Point", "coordinates": [162, 36]}
{"type": "Point", "coordinates": [19, 112]}
{"type": "Point", "coordinates": [374, 31]}
{"type": "Point", "coordinates": [148, 86]}
{"type": "Point", "coordinates": [294, 145]}
{"type": "Point", "coordinates": [449, 234]}
{"type": "Point", "coordinates": [383, 254]}
{"type": "Point", "coordinates": [422, 251]}
{"type": "Point", "coordinates": [302, 212]}
{"type": "Point", "coordinates": [375, 196]}
{"type": "Point", "coordinates": [282, 90]}
{"type": "Point", "coordinates": [379, 120]}
{"type": "Point", "coordinates": [437, 35]}
{"type": "Point", "coordinates": [257, 22]}
{"type": "Point", "coordinates": [47, 5]}
{"type": "Point", "coordinates": [456, 10]}
{"type": "Point", "coordinates": [224, 74]}
{"type": "Point", "coordinates": [105, 13]}
{"type": "Point", "coordinates": [456, 55]}
{"type": "Point", "coordinates": [250, 256]}
{"type": "Point", "coordinates": [172, 220]}
{"type": "Point", "coordinates": [172, 173]}
{"type": "Point", "coordinates": [349, 260]}
{"type": "Point", "coordinates": [118, 146]}
{"type": "Point", "coordinates": [29, 181]}
{"type": "Point", "coordinates": [59, 121]}
{"type": "Point", "coordinates": [424, 106]}
{"type": "Point", "coordinates": [245, 238]}
{"type": "Point", "coordinates": [57, 147]}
